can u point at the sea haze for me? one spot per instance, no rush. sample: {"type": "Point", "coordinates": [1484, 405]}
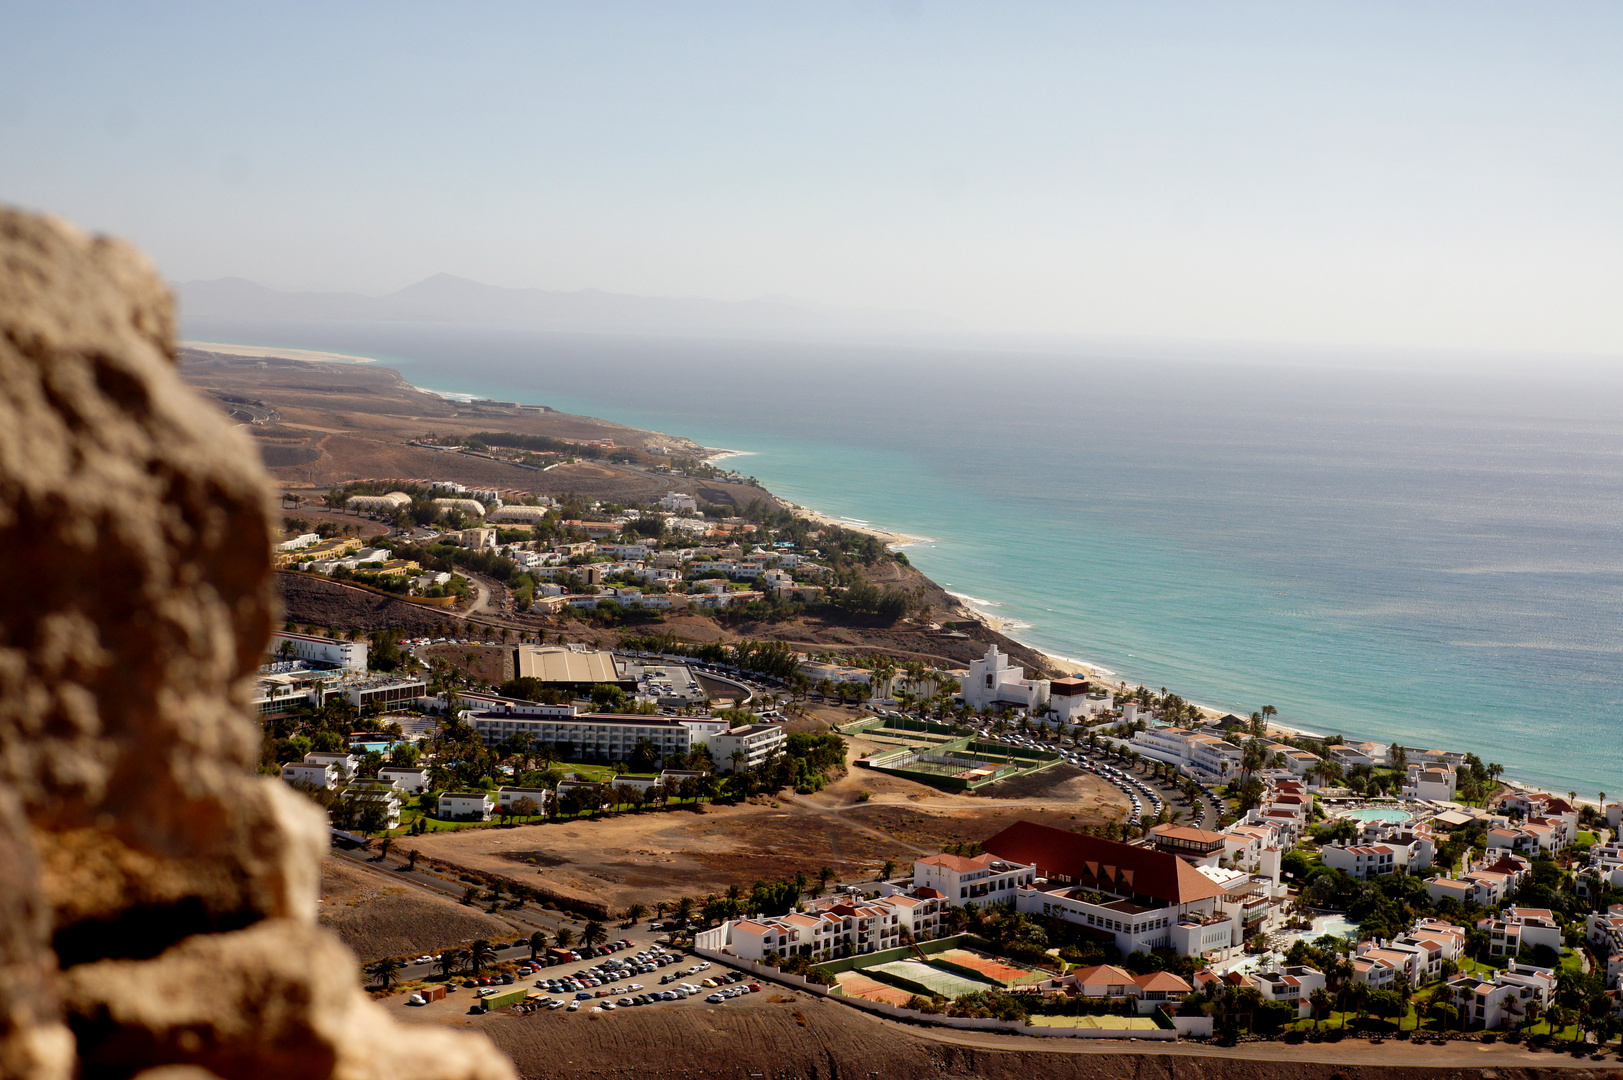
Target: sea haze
{"type": "Point", "coordinates": [1391, 555]}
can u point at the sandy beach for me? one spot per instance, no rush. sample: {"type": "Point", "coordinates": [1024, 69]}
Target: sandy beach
{"type": "Point", "coordinates": [310, 355]}
{"type": "Point", "coordinates": [891, 539]}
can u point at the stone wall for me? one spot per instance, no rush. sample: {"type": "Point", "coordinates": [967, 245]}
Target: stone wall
{"type": "Point", "coordinates": [158, 907]}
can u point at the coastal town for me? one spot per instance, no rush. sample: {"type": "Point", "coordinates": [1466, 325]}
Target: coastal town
{"type": "Point", "coordinates": [1247, 882]}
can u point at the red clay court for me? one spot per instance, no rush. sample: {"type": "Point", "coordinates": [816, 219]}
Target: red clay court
{"type": "Point", "coordinates": [984, 965]}
{"type": "Point", "coordinates": [855, 984]}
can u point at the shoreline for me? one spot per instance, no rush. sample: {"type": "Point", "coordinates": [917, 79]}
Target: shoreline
{"type": "Point", "coordinates": [967, 605]}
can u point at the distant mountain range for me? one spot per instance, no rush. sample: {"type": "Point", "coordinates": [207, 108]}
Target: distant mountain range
{"type": "Point", "coordinates": [444, 298]}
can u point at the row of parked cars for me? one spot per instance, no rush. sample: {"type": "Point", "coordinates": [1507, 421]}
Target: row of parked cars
{"type": "Point", "coordinates": [1129, 785]}
{"type": "Point", "coordinates": [599, 981]}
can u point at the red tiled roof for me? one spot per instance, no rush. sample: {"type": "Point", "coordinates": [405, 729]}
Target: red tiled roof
{"type": "Point", "coordinates": [1102, 864]}
{"type": "Point", "coordinates": [958, 862]}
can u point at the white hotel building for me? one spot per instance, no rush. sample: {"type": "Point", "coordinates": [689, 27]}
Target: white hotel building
{"type": "Point", "coordinates": [609, 735]}
{"type": "Point", "coordinates": [1192, 751]}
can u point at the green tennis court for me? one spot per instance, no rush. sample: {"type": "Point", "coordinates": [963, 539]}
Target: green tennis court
{"type": "Point", "coordinates": [928, 980]}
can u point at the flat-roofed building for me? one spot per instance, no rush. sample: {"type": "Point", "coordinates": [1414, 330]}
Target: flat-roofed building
{"type": "Point", "coordinates": [607, 736]}
{"type": "Point", "coordinates": [572, 668]}
{"type": "Point", "coordinates": [329, 652]}
{"type": "Point", "coordinates": [466, 806]}
{"type": "Point", "coordinates": [411, 781]}
{"type": "Point", "coordinates": [319, 774]}
{"type": "Point", "coordinates": [757, 743]}
{"type": "Point", "coordinates": [508, 797]}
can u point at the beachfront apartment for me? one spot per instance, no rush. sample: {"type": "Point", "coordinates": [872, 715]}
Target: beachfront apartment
{"type": "Point", "coordinates": [1430, 782]}
{"type": "Point", "coordinates": [1072, 700]}
{"type": "Point", "coordinates": [1299, 762]}
{"type": "Point", "coordinates": [1604, 932]}
{"type": "Point", "coordinates": [1508, 997]}
{"type": "Point", "coordinates": [829, 929]}
{"type": "Point", "coordinates": [995, 681]}
{"type": "Point", "coordinates": [1194, 752]}
{"type": "Point", "coordinates": [1293, 985]}
{"type": "Point", "coordinates": [1517, 928]}
{"type": "Point", "coordinates": [1360, 861]}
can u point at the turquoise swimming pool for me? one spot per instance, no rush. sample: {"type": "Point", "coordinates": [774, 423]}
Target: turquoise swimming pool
{"type": "Point", "coordinates": [1373, 813]}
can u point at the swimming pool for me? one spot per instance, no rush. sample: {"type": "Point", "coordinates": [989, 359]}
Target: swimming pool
{"type": "Point", "coordinates": [1373, 813]}
{"type": "Point", "coordinates": [1338, 925]}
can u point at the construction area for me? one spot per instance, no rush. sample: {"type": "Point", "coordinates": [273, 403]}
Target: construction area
{"type": "Point", "coordinates": [959, 764]}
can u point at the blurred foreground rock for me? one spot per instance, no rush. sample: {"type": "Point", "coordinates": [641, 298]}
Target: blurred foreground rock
{"type": "Point", "coordinates": [159, 898]}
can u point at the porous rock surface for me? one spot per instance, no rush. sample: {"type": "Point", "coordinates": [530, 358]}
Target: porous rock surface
{"type": "Point", "coordinates": [157, 910]}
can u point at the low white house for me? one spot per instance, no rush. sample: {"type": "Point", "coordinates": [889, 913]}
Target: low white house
{"type": "Point", "coordinates": [411, 781]}
{"type": "Point", "coordinates": [507, 797]}
{"type": "Point", "coordinates": [465, 806]}
{"type": "Point", "coordinates": [1510, 996]}
{"type": "Point", "coordinates": [321, 774]}
{"type": "Point", "coordinates": [1294, 985]}
{"type": "Point", "coordinates": [345, 764]}
{"type": "Point", "coordinates": [378, 792]}
{"type": "Point", "coordinates": [1518, 927]}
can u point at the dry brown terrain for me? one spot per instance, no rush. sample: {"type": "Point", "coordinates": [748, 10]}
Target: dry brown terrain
{"type": "Point", "coordinates": [783, 1034]}
{"type": "Point", "coordinates": [314, 601]}
{"type": "Point", "coordinates": [376, 918]}
{"type": "Point", "coordinates": [340, 422]}
{"type": "Point", "coordinates": [335, 423]}
{"type": "Point", "coordinates": [491, 662]}
{"type": "Point", "coordinates": [662, 855]}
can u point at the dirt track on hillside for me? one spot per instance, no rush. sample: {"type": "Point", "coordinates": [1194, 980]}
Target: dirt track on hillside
{"type": "Point", "coordinates": [784, 1034]}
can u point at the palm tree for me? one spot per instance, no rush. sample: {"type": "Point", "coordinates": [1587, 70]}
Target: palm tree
{"type": "Point", "coordinates": [684, 909]}
{"type": "Point", "coordinates": [538, 943]}
{"type": "Point", "coordinates": [449, 961]}
{"type": "Point", "coordinates": [634, 914]}
{"type": "Point", "coordinates": [384, 974]}
{"type": "Point", "coordinates": [823, 877]}
{"type": "Point", "coordinates": [480, 956]}
{"type": "Point", "coordinates": [1321, 1001]}
{"type": "Point", "coordinates": [565, 937]}
{"type": "Point", "coordinates": [594, 933]}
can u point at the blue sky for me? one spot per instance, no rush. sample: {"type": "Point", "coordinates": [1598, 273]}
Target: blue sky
{"type": "Point", "coordinates": [1432, 175]}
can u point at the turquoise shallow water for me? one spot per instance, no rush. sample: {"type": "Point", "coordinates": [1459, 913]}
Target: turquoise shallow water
{"type": "Point", "coordinates": [1390, 556]}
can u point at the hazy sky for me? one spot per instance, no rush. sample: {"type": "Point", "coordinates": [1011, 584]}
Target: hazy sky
{"type": "Point", "coordinates": [1356, 173]}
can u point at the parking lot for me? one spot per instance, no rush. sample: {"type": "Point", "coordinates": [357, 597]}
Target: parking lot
{"type": "Point", "coordinates": [630, 976]}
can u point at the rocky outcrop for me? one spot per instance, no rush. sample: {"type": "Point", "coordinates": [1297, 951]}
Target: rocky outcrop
{"type": "Point", "coordinates": [158, 911]}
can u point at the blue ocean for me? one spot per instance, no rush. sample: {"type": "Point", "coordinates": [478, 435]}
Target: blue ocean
{"type": "Point", "coordinates": [1384, 553]}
